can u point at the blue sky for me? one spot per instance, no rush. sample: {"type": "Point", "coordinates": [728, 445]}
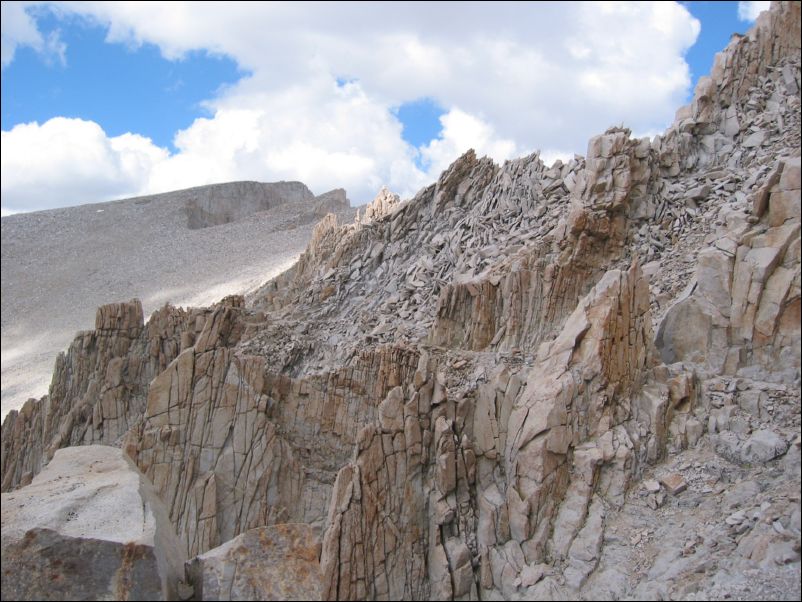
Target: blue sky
{"type": "Point", "coordinates": [719, 21]}
{"type": "Point", "coordinates": [169, 103]}
{"type": "Point", "coordinates": [123, 89]}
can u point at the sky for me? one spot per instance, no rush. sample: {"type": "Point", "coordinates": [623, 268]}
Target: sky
{"type": "Point", "coordinates": [105, 100]}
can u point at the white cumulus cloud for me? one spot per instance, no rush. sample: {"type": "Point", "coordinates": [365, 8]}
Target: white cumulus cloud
{"type": "Point", "coordinates": [462, 131]}
{"type": "Point", "coordinates": [71, 161]}
{"type": "Point", "coordinates": [749, 11]}
{"type": "Point", "coordinates": [18, 28]}
{"type": "Point", "coordinates": [320, 133]}
{"type": "Point", "coordinates": [511, 77]}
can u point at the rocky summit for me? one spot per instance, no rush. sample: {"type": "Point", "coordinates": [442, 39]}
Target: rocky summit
{"type": "Point", "coordinates": [576, 381]}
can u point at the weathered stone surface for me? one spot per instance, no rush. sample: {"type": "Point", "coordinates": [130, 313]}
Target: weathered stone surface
{"type": "Point", "coordinates": [382, 483]}
{"type": "Point", "coordinates": [331, 201]}
{"type": "Point", "coordinates": [375, 539]}
{"type": "Point", "coordinates": [98, 389]}
{"type": "Point", "coordinates": [89, 527]}
{"type": "Point", "coordinates": [461, 393]}
{"type": "Point", "coordinates": [252, 461]}
{"type": "Point", "coordinates": [784, 203]}
{"type": "Point", "coordinates": [675, 483]}
{"type": "Point", "coordinates": [268, 563]}
{"type": "Point", "coordinates": [762, 446]}
{"type": "Point", "coordinates": [223, 203]}
{"type": "Point", "coordinates": [684, 333]}
{"type": "Point", "coordinates": [382, 205]}
{"type": "Point", "coordinates": [748, 301]}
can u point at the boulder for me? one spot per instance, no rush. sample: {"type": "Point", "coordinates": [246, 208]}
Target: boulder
{"type": "Point", "coordinates": [279, 562]}
{"type": "Point", "coordinates": [89, 527]}
{"type": "Point", "coordinates": [764, 445]}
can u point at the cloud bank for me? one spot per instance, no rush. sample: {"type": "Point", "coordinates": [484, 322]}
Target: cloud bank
{"type": "Point", "coordinates": [512, 78]}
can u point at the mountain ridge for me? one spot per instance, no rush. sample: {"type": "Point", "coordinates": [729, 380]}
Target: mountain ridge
{"type": "Point", "coordinates": [463, 395]}
{"type": "Point", "coordinates": [85, 256]}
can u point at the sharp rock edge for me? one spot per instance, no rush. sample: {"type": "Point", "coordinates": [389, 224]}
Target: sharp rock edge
{"type": "Point", "coordinates": [526, 382]}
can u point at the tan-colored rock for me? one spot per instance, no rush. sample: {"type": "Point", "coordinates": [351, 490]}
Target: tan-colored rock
{"type": "Point", "coordinates": [98, 389]}
{"type": "Point", "coordinates": [674, 482]}
{"type": "Point", "coordinates": [268, 563]}
{"type": "Point", "coordinates": [382, 205]}
{"type": "Point", "coordinates": [460, 393]}
{"type": "Point", "coordinates": [783, 202]}
{"type": "Point", "coordinates": [744, 300]}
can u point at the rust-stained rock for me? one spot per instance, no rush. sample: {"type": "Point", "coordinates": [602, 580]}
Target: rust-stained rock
{"type": "Point", "coordinates": [98, 389]}
{"type": "Point", "coordinates": [269, 563]}
{"type": "Point", "coordinates": [458, 394]}
{"type": "Point", "coordinates": [674, 483]}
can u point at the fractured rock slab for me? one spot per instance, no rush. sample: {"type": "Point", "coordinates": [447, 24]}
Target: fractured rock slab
{"type": "Point", "coordinates": [89, 527]}
{"type": "Point", "coordinates": [675, 483]}
{"type": "Point", "coordinates": [269, 563]}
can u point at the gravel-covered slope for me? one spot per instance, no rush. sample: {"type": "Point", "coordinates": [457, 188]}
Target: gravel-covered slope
{"type": "Point", "coordinates": [59, 265]}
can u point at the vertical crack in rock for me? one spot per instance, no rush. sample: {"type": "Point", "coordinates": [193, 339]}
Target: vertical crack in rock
{"type": "Point", "coordinates": [526, 382]}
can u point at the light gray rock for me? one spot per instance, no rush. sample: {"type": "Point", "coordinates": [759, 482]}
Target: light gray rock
{"type": "Point", "coordinates": [754, 139]}
{"type": "Point", "coordinates": [714, 275]}
{"type": "Point", "coordinates": [461, 393]}
{"type": "Point", "coordinates": [89, 526]}
{"type": "Point", "coordinates": [731, 124]}
{"type": "Point", "coordinates": [764, 445]}
{"type": "Point", "coordinates": [740, 495]}
{"type": "Point", "coordinates": [698, 193]}
{"type": "Point", "coordinates": [651, 486]}
{"type": "Point", "coordinates": [684, 332]}
{"type": "Point", "coordinates": [217, 204]}
{"type": "Point", "coordinates": [728, 446]}
{"type": "Point", "coordinates": [261, 228]}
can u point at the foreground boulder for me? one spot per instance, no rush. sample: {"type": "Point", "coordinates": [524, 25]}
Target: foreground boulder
{"type": "Point", "coordinates": [269, 563]}
{"type": "Point", "coordinates": [89, 527]}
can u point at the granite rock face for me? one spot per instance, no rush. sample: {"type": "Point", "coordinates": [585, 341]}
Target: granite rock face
{"type": "Point", "coordinates": [99, 386]}
{"type": "Point", "coordinates": [253, 232]}
{"type": "Point", "coordinates": [431, 486]}
{"type": "Point", "coordinates": [89, 527]}
{"type": "Point", "coordinates": [526, 382]}
{"type": "Point", "coordinates": [745, 305]}
{"type": "Point", "coordinates": [268, 563]}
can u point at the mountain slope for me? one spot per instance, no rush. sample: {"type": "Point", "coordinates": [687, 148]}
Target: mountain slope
{"type": "Point", "coordinates": [59, 265]}
{"type": "Point", "coordinates": [527, 382]}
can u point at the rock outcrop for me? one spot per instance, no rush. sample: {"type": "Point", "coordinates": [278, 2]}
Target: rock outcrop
{"type": "Point", "coordinates": [526, 382]}
{"type": "Point", "coordinates": [223, 203]}
{"type": "Point", "coordinates": [742, 313]}
{"type": "Point", "coordinates": [89, 527]}
{"type": "Point", "coordinates": [99, 386]}
{"type": "Point", "coordinates": [141, 247]}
